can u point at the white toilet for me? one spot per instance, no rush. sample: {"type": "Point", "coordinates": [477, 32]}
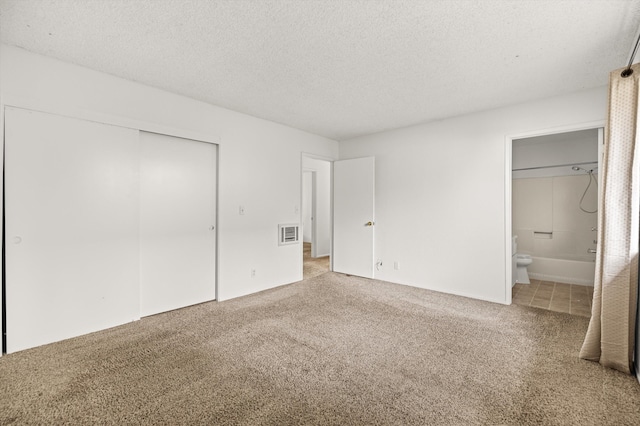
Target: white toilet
{"type": "Point", "coordinates": [522, 261]}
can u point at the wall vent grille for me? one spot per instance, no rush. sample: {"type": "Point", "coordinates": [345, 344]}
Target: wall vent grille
{"type": "Point", "coordinates": [288, 234]}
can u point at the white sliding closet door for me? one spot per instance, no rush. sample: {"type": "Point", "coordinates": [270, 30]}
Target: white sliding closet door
{"type": "Point", "coordinates": [71, 206]}
{"type": "Point", "coordinates": [177, 218]}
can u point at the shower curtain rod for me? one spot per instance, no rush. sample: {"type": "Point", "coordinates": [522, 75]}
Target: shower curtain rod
{"type": "Point", "coordinates": [628, 71]}
{"type": "Point", "coordinates": [555, 166]}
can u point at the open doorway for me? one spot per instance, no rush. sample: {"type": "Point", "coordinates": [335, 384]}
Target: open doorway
{"type": "Point", "coordinates": [316, 216]}
{"type": "Point", "coordinates": [554, 210]}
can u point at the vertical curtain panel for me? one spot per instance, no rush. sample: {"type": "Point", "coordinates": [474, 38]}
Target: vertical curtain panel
{"type": "Point", "coordinates": [611, 333]}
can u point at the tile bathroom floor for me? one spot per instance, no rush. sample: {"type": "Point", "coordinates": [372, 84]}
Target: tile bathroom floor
{"type": "Point", "coordinates": [569, 298]}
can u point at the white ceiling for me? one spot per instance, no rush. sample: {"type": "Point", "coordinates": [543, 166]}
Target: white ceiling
{"type": "Point", "coordinates": [338, 68]}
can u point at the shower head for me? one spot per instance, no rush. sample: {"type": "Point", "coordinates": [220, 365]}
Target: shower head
{"type": "Point", "coordinates": [578, 168]}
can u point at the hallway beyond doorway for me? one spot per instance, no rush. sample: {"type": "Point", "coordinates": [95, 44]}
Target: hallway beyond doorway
{"type": "Point", "coordinates": [313, 266]}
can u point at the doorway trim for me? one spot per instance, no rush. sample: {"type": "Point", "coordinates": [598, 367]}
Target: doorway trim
{"type": "Point", "coordinates": [312, 225]}
{"type": "Point", "coordinates": [329, 160]}
{"type": "Point", "coordinates": [508, 153]}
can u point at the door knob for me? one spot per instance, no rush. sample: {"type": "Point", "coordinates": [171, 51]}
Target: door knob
{"type": "Point", "coordinates": [368, 223]}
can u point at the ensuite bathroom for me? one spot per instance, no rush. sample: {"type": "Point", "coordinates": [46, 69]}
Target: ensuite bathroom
{"type": "Point", "coordinates": [554, 220]}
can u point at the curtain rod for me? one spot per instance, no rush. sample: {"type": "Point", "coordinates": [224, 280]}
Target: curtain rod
{"type": "Point", "coordinates": [628, 71]}
{"type": "Point", "coordinates": [554, 166]}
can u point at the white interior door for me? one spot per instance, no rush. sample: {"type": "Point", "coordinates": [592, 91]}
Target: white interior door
{"type": "Point", "coordinates": [353, 216]}
{"type": "Point", "coordinates": [71, 211]}
{"type": "Point", "coordinates": [177, 219]}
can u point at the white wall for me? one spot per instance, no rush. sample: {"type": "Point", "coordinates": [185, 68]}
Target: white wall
{"type": "Point", "coordinates": [259, 161]}
{"type": "Point", "coordinates": [322, 218]}
{"type": "Point", "coordinates": [547, 218]}
{"type": "Point", "coordinates": [440, 192]}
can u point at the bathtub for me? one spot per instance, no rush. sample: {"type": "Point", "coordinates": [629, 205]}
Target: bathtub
{"type": "Point", "coordinates": [569, 271]}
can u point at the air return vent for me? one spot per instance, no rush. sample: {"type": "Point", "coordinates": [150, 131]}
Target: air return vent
{"type": "Point", "coordinates": [288, 234]}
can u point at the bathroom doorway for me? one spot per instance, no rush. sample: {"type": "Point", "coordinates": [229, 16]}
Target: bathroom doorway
{"type": "Point", "coordinates": [316, 216]}
{"type": "Point", "coordinates": [554, 194]}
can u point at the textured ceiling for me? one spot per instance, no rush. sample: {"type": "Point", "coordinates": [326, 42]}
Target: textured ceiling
{"type": "Point", "coordinates": [338, 68]}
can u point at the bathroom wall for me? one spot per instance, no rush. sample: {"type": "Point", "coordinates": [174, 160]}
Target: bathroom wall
{"type": "Point", "coordinates": [547, 218]}
{"type": "Point", "coordinates": [553, 155]}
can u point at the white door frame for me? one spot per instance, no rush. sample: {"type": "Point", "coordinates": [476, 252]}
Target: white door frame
{"type": "Point", "coordinates": [329, 160]}
{"type": "Point", "coordinates": [312, 174]}
{"type": "Point", "coordinates": [508, 151]}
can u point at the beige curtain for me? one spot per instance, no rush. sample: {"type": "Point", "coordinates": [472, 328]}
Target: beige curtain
{"type": "Point", "coordinates": [611, 333]}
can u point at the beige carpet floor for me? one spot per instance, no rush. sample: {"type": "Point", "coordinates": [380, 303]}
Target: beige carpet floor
{"type": "Point", "coordinates": [332, 350]}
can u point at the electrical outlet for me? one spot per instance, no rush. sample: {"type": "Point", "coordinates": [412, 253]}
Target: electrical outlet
{"type": "Point", "coordinates": [253, 273]}
{"type": "Point", "coordinates": [396, 265]}
{"type": "Point", "coordinates": [241, 210]}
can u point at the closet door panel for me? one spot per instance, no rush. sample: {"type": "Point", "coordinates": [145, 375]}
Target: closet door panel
{"type": "Point", "coordinates": [177, 219]}
{"type": "Point", "coordinates": [72, 211]}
